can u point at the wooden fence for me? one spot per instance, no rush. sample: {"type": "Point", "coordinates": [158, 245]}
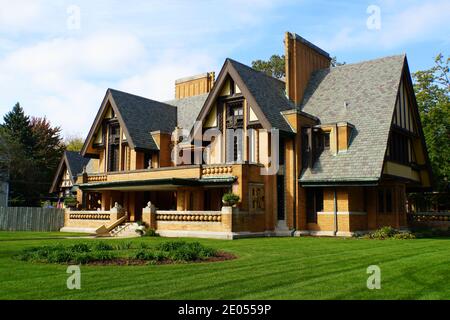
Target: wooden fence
{"type": "Point", "coordinates": [31, 219]}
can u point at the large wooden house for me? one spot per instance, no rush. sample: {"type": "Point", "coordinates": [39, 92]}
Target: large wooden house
{"type": "Point", "coordinates": [326, 151]}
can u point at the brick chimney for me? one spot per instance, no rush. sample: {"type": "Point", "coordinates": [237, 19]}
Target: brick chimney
{"type": "Point", "coordinates": [194, 86]}
{"type": "Point", "coordinates": [302, 59]}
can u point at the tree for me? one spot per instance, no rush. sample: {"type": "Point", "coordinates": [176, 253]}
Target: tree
{"type": "Point", "coordinates": [274, 67]}
{"type": "Point", "coordinates": [432, 88]}
{"type": "Point", "coordinates": [335, 63]}
{"type": "Point", "coordinates": [18, 126]}
{"type": "Point", "coordinates": [47, 153]}
{"type": "Point", "coordinates": [74, 143]}
{"type": "Point", "coordinates": [31, 149]}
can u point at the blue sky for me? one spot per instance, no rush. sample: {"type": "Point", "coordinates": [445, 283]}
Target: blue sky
{"type": "Point", "coordinates": [58, 57]}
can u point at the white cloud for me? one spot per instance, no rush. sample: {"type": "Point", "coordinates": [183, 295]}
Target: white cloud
{"type": "Point", "coordinates": [55, 77]}
{"type": "Point", "coordinates": [401, 22]}
{"type": "Point", "coordinates": [19, 14]}
{"type": "Point", "coordinates": [158, 80]}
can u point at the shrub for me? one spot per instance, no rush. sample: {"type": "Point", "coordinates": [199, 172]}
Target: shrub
{"type": "Point", "coordinates": [183, 251]}
{"type": "Point", "coordinates": [404, 236]}
{"type": "Point", "coordinates": [123, 245]}
{"type": "Point", "coordinates": [384, 233]}
{"type": "Point", "coordinates": [79, 247]}
{"type": "Point", "coordinates": [60, 256]}
{"type": "Point", "coordinates": [149, 255]}
{"type": "Point", "coordinates": [102, 246]}
{"type": "Point", "coordinates": [150, 233]}
{"type": "Point", "coordinates": [230, 199]}
{"type": "Point", "coordinates": [70, 202]}
{"type": "Point", "coordinates": [389, 233]}
{"type": "Point", "coordinates": [143, 245]}
{"type": "Point", "coordinates": [171, 245]}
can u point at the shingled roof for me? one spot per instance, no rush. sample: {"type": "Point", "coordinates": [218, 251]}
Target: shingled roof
{"type": "Point", "coordinates": [369, 89]}
{"type": "Point", "coordinates": [268, 92]}
{"type": "Point", "coordinates": [141, 116]}
{"type": "Point", "coordinates": [74, 162]}
{"type": "Point", "coordinates": [188, 109]}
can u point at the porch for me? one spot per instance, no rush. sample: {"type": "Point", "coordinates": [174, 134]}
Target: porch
{"type": "Point", "coordinates": [184, 201]}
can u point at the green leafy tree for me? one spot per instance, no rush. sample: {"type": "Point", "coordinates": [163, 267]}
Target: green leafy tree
{"type": "Point", "coordinates": [18, 126]}
{"type": "Point", "coordinates": [274, 67]}
{"type": "Point", "coordinates": [74, 143]}
{"type": "Point", "coordinates": [432, 88]}
{"type": "Point", "coordinates": [31, 150]}
{"type": "Point", "coordinates": [48, 150]}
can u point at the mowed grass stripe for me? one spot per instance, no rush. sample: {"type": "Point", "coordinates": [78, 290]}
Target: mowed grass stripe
{"type": "Point", "coordinates": [266, 268]}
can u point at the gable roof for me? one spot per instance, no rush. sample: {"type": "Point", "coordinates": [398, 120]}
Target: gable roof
{"type": "Point", "coordinates": [138, 117]}
{"type": "Point", "coordinates": [370, 89]}
{"type": "Point", "coordinates": [265, 94]}
{"type": "Point", "coordinates": [74, 162]}
{"type": "Point", "coordinates": [268, 92]}
{"type": "Point", "coordinates": [141, 116]}
{"type": "Point", "coordinates": [188, 109]}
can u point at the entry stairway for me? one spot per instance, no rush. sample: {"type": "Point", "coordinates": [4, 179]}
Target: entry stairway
{"type": "Point", "coordinates": [125, 230]}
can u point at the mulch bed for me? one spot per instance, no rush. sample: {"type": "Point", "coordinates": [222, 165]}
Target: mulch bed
{"type": "Point", "coordinates": [222, 256]}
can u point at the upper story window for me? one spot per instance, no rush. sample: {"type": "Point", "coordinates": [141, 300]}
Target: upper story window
{"type": "Point", "coordinates": [400, 148]}
{"type": "Point", "coordinates": [113, 146]}
{"type": "Point", "coordinates": [235, 115]}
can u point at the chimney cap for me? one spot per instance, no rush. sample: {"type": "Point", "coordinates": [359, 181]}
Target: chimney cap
{"type": "Point", "coordinates": [295, 36]}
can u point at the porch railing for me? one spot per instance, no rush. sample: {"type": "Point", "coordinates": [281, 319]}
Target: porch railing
{"type": "Point", "coordinates": [193, 216]}
{"type": "Point", "coordinates": [429, 216]}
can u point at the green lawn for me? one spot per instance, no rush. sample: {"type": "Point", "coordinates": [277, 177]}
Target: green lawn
{"type": "Point", "coordinates": [267, 268]}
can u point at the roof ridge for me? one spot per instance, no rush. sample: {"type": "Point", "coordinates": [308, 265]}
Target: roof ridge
{"type": "Point", "coordinates": [367, 61]}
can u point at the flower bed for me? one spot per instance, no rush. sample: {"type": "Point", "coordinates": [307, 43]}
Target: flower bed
{"type": "Point", "coordinates": [123, 253]}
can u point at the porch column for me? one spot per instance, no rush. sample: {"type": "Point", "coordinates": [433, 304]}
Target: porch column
{"type": "Point", "coordinates": [149, 216]}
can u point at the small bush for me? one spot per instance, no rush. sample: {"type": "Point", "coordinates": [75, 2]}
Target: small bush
{"type": "Point", "coordinates": [102, 246]}
{"type": "Point", "coordinates": [143, 245]}
{"type": "Point", "coordinates": [389, 233]}
{"type": "Point", "coordinates": [171, 245]}
{"type": "Point", "coordinates": [384, 233]}
{"type": "Point", "coordinates": [184, 251]}
{"type": "Point", "coordinates": [150, 233]}
{"type": "Point", "coordinates": [230, 199]}
{"type": "Point", "coordinates": [149, 255]}
{"type": "Point", "coordinates": [123, 245]}
{"type": "Point", "coordinates": [404, 236]}
{"type": "Point", "coordinates": [80, 247]}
